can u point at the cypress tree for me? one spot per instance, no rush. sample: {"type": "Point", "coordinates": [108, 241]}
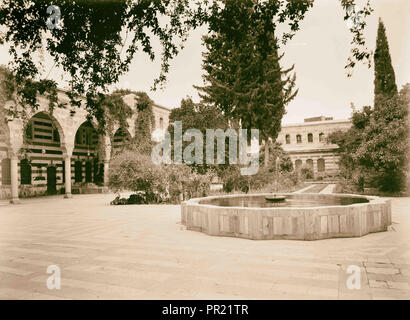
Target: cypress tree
{"type": "Point", "coordinates": [243, 75]}
{"type": "Point", "coordinates": [384, 80]}
{"type": "Point", "coordinates": [382, 152]}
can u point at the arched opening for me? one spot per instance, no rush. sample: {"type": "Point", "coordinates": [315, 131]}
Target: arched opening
{"type": "Point", "coordinates": [85, 153]}
{"type": "Point", "coordinates": [298, 164]}
{"type": "Point", "coordinates": [121, 140]}
{"type": "Point", "coordinates": [321, 137]}
{"type": "Point", "coordinates": [287, 138]}
{"type": "Point", "coordinates": [309, 164]}
{"type": "Point", "coordinates": [298, 138]}
{"type": "Point", "coordinates": [43, 136]}
{"type": "Point", "coordinates": [51, 180]}
{"type": "Point", "coordinates": [321, 165]}
{"type": "Point", "coordinates": [310, 137]}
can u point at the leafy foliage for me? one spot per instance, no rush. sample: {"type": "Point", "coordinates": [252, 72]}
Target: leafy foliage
{"type": "Point", "coordinates": [264, 181]}
{"type": "Point", "coordinates": [97, 40]}
{"type": "Point", "coordinates": [144, 124]}
{"type": "Point", "coordinates": [133, 171]}
{"type": "Point", "coordinates": [243, 76]}
{"type": "Point", "coordinates": [201, 117]}
{"type": "Point", "coordinates": [374, 150]}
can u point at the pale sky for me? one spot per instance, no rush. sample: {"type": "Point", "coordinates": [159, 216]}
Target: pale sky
{"type": "Point", "coordinates": [319, 51]}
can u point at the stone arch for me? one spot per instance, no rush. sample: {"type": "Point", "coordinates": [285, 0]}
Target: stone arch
{"type": "Point", "coordinates": [44, 146]}
{"type": "Point", "coordinates": [48, 128]}
{"type": "Point", "coordinates": [85, 153]}
{"type": "Point", "coordinates": [120, 139]}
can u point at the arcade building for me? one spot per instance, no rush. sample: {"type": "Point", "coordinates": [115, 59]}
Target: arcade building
{"type": "Point", "coordinates": [60, 155]}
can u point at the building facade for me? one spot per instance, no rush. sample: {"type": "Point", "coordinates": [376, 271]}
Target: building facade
{"type": "Point", "coordinates": [307, 144]}
{"type": "Point", "coordinates": [56, 153]}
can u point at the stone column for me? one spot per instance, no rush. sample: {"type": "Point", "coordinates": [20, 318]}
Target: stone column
{"type": "Point", "coordinates": [67, 168]}
{"type": "Point", "coordinates": [106, 157]}
{"type": "Point", "coordinates": [14, 180]}
{"type": "Point", "coordinates": [106, 168]}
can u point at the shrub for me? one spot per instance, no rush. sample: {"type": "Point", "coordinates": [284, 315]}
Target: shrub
{"type": "Point", "coordinates": [264, 179]}
{"type": "Point", "coordinates": [232, 180]}
{"type": "Point", "coordinates": [131, 171]}
{"type": "Point", "coordinates": [307, 173]}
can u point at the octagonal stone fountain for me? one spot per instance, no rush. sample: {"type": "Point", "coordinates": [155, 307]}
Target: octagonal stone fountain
{"type": "Point", "coordinates": [302, 216]}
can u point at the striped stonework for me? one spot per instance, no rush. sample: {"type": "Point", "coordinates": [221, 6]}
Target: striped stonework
{"type": "Point", "coordinates": [50, 153]}
{"type": "Point", "coordinates": [120, 140]}
{"type": "Point", "coordinates": [43, 151]}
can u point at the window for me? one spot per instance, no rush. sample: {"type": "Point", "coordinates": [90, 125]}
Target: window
{"type": "Point", "coordinates": [309, 163]}
{"type": "Point", "coordinates": [321, 137]}
{"type": "Point", "coordinates": [298, 138]}
{"type": "Point", "coordinates": [310, 137]}
{"type": "Point", "coordinates": [287, 137]}
{"type": "Point", "coordinates": [321, 165]}
{"type": "Point", "coordinates": [161, 123]}
{"type": "Point", "coordinates": [88, 172]}
{"type": "Point", "coordinates": [298, 164]}
{"type": "Point", "coordinates": [25, 172]}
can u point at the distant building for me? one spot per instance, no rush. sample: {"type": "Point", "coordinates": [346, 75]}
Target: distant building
{"type": "Point", "coordinates": [307, 144]}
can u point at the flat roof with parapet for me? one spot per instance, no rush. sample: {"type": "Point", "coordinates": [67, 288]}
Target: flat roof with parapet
{"type": "Point", "coordinates": [310, 122]}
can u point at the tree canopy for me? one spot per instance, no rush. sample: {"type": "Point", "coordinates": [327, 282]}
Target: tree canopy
{"type": "Point", "coordinates": [374, 150]}
{"type": "Point", "coordinates": [97, 40]}
{"type": "Point", "coordinates": [242, 72]}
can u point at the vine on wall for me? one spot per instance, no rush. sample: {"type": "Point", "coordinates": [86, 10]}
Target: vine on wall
{"type": "Point", "coordinates": [109, 110]}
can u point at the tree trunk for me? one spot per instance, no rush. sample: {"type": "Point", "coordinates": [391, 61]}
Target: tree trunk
{"type": "Point", "coordinates": [266, 163]}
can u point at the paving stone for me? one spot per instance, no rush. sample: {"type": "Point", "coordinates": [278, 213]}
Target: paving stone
{"type": "Point", "coordinates": [398, 285]}
{"type": "Point", "coordinates": [383, 270]}
{"type": "Point", "coordinates": [141, 252]}
{"type": "Point", "coordinates": [378, 284]}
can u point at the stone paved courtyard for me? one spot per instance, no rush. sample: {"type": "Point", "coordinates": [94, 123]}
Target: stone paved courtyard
{"type": "Point", "coordinates": [143, 252]}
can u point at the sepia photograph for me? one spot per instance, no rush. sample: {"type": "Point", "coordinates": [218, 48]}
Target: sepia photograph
{"type": "Point", "coordinates": [202, 156]}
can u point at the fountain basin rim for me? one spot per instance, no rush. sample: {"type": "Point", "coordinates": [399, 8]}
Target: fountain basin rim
{"type": "Point", "coordinates": [371, 199]}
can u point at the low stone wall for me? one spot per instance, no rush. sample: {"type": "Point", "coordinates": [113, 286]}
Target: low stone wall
{"type": "Point", "coordinates": [311, 223]}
